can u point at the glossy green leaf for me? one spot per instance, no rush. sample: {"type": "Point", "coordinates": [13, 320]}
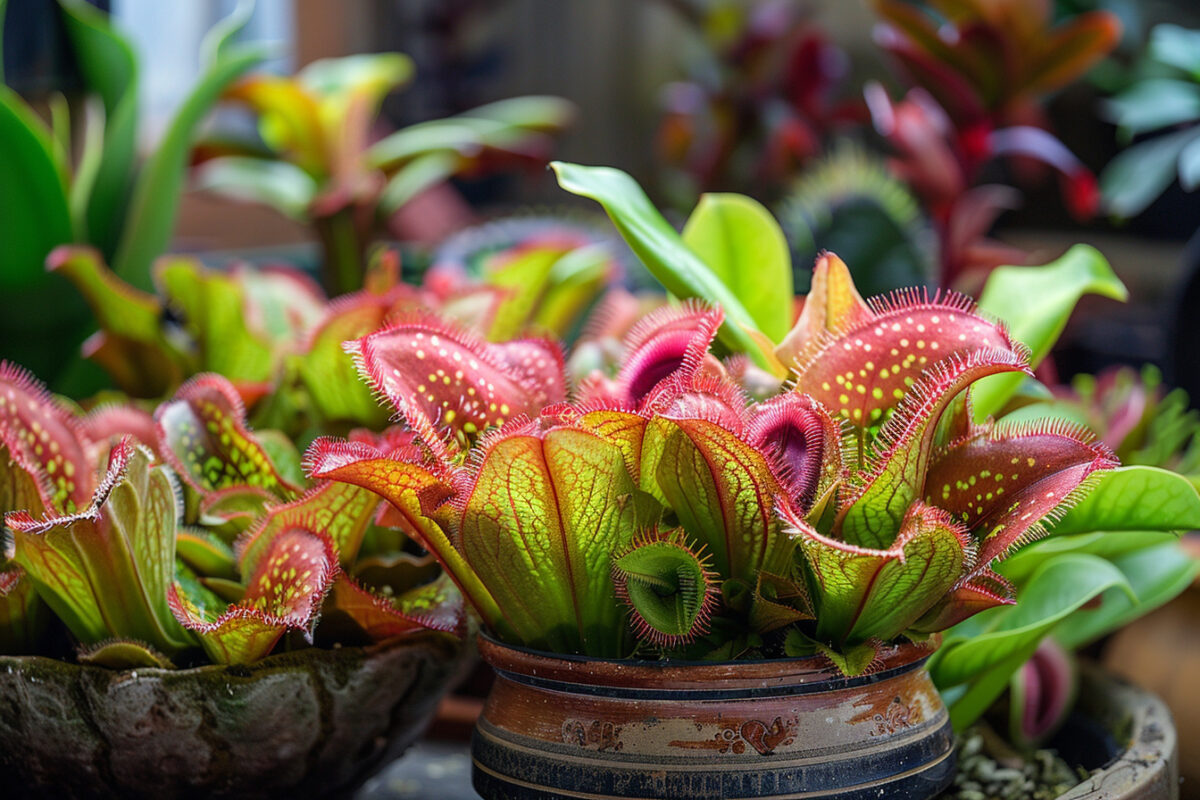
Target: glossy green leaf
{"type": "Point", "coordinates": [1154, 103]}
{"type": "Point", "coordinates": [34, 212]}
{"type": "Point", "coordinates": [1000, 639]}
{"type": "Point", "coordinates": [1035, 303]}
{"type": "Point", "coordinates": [1135, 499]}
{"type": "Point", "coordinates": [422, 172]}
{"type": "Point", "coordinates": [1109, 545]}
{"type": "Point", "coordinates": [743, 245]}
{"type": "Point", "coordinates": [278, 184]}
{"type": "Point", "coordinates": [1156, 574]}
{"type": "Point", "coordinates": [661, 249]}
{"type": "Point", "coordinates": [1143, 171]}
{"type": "Point", "coordinates": [155, 201]}
{"type": "Point", "coordinates": [109, 67]}
{"type": "Point", "coordinates": [1177, 47]}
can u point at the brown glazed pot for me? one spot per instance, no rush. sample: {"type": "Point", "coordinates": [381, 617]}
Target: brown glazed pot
{"type": "Point", "coordinates": [573, 727]}
{"type": "Point", "coordinates": [309, 723]}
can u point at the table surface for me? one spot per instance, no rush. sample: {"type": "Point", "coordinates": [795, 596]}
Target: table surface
{"type": "Point", "coordinates": [430, 769]}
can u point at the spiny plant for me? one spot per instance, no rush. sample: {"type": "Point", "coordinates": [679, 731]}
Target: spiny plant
{"type": "Point", "coordinates": [147, 540]}
{"type": "Point", "coordinates": [859, 505]}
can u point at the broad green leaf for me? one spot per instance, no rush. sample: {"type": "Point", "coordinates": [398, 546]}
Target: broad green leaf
{"type": "Point", "coordinates": [109, 67]}
{"type": "Point", "coordinates": [744, 247]}
{"type": "Point", "coordinates": [1135, 498]}
{"type": "Point", "coordinates": [213, 305]}
{"type": "Point", "coordinates": [1143, 171]}
{"type": "Point", "coordinates": [1156, 574]}
{"type": "Point", "coordinates": [34, 212]}
{"type": "Point", "coordinates": [155, 200]}
{"type": "Point", "coordinates": [278, 184]}
{"type": "Point", "coordinates": [661, 249]}
{"type": "Point", "coordinates": [1109, 545]}
{"type": "Point", "coordinates": [1004, 637]}
{"type": "Point", "coordinates": [576, 281]}
{"type": "Point", "coordinates": [206, 553]}
{"type": "Point", "coordinates": [532, 112]}
{"type": "Point", "coordinates": [540, 525]}
{"type": "Point", "coordinates": [1189, 166]}
{"type": "Point", "coordinates": [416, 176]}
{"type": "Point", "coordinates": [1035, 302]}
{"type": "Point", "coordinates": [1177, 47]}
{"type": "Point", "coordinates": [1154, 103]}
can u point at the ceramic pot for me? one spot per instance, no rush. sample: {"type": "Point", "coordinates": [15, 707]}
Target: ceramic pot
{"type": "Point", "coordinates": [563, 727]}
{"type": "Point", "coordinates": [302, 724]}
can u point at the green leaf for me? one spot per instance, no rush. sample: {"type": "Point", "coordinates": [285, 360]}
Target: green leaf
{"type": "Point", "coordinates": [988, 648]}
{"type": "Point", "coordinates": [416, 176]}
{"type": "Point", "coordinates": [109, 67]}
{"type": "Point", "coordinates": [864, 594]}
{"type": "Point", "coordinates": [1109, 545]}
{"type": "Point", "coordinates": [1140, 173]}
{"type": "Point", "coordinates": [105, 571]}
{"type": "Point", "coordinates": [661, 249]}
{"type": "Point", "coordinates": [1035, 303]}
{"type": "Point", "coordinates": [540, 526]}
{"type": "Point", "coordinates": [1156, 575]}
{"type": "Point", "coordinates": [1135, 498]}
{"type": "Point", "coordinates": [745, 248]}
{"type": "Point", "coordinates": [155, 201]}
{"type": "Point", "coordinates": [1189, 166]}
{"type": "Point", "coordinates": [1152, 104]}
{"type": "Point", "coordinates": [278, 184]}
{"type": "Point", "coordinates": [34, 213]}
{"type": "Point", "coordinates": [1177, 47]}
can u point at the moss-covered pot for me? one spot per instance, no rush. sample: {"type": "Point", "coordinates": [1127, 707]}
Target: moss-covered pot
{"type": "Point", "coordinates": [302, 724]}
{"type": "Point", "coordinates": [557, 727]}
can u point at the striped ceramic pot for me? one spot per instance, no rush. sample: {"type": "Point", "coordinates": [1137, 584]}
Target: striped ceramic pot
{"type": "Point", "coordinates": [571, 727]}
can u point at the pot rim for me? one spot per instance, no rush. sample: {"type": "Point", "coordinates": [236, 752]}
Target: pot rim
{"type": "Point", "coordinates": [272, 663]}
{"type": "Point", "coordinates": [587, 674]}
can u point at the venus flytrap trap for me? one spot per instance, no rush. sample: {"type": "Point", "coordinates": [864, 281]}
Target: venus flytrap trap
{"type": "Point", "coordinates": [202, 540]}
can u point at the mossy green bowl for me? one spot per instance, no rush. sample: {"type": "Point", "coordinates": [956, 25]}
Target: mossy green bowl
{"type": "Point", "coordinates": [303, 724]}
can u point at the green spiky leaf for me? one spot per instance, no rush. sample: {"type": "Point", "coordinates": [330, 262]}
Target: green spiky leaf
{"type": "Point", "coordinates": [668, 587]}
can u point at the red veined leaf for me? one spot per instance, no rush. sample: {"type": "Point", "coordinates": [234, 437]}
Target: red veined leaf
{"type": "Point", "coordinates": [722, 491]}
{"type": "Point", "coordinates": [23, 484]}
{"type": "Point", "coordinates": [894, 474]}
{"type": "Point", "coordinates": [203, 435]}
{"type": "Point", "coordinates": [415, 491]}
{"type": "Point", "coordinates": [982, 590]}
{"type": "Point", "coordinates": [104, 571]}
{"type": "Point", "coordinates": [47, 435]}
{"type": "Point", "coordinates": [431, 607]}
{"type": "Point", "coordinates": [339, 511]}
{"type": "Point", "coordinates": [864, 593]}
{"type": "Point", "coordinates": [284, 592]}
{"type": "Point", "coordinates": [539, 524]}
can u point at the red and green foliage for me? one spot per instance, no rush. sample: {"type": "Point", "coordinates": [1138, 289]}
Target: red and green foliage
{"type": "Point", "coordinates": [153, 539]}
{"type": "Point", "coordinates": [859, 505]}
